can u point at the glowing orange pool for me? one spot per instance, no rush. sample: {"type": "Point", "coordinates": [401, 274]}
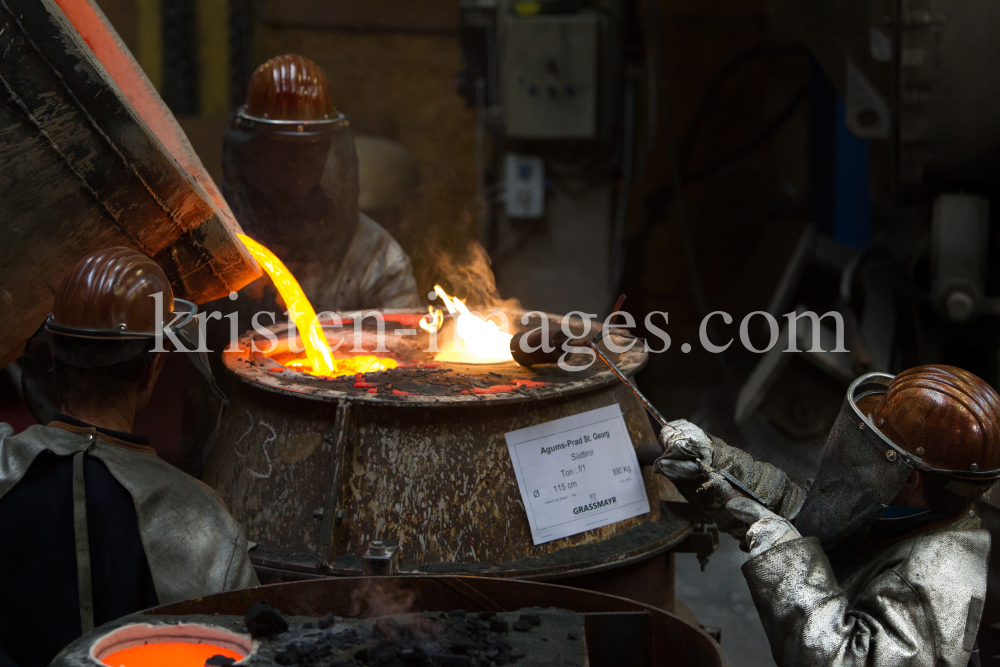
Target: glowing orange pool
{"type": "Point", "coordinates": [167, 654]}
{"type": "Point", "coordinates": [181, 645]}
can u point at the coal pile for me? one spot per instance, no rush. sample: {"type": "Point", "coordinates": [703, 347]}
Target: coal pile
{"type": "Point", "coordinates": [452, 639]}
{"type": "Point", "coordinates": [525, 638]}
{"type": "Point", "coordinates": [263, 620]}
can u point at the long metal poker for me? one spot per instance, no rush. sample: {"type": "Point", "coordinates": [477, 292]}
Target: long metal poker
{"type": "Point", "coordinates": [521, 356]}
{"type": "Point", "coordinates": [663, 422]}
{"type": "Point", "coordinates": [651, 409]}
{"type": "Point", "coordinates": [629, 383]}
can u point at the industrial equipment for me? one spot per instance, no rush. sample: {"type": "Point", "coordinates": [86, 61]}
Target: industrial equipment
{"type": "Point", "coordinates": [414, 456]}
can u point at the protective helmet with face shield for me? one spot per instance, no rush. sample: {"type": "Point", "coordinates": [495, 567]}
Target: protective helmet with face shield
{"type": "Point", "coordinates": [939, 420]}
{"type": "Point", "coordinates": [118, 297]}
{"type": "Point", "coordinates": [289, 162]}
{"type": "Point", "coordinates": [115, 306]}
{"type": "Point", "coordinates": [879, 561]}
{"type": "Point", "coordinates": [290, 174]}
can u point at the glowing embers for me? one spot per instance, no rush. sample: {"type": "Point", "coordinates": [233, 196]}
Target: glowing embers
{"type": "Point", "coordinates": [348, 366]}
{"type": "Point", "coordinates": [476, 340]}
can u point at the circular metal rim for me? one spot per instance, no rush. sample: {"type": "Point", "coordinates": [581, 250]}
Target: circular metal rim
{"type": "Point", "coordinates": [139, 634]}
{"type": "Point", "coordinates": [554, 573]}
{"type": "Point", "coordinates": [120, 333]}
{"type": "Point", "coordinates": [485, 593]}
{"type": "Point", "coordinates": [339, 118]}
{"type": "Point", "coordinates": [239, 364]}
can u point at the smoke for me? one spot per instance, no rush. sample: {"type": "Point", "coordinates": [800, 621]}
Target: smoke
{"type": "Point", "coordinates": [468, 275]}
{"type": "Point", "coordinates": [374, 597]}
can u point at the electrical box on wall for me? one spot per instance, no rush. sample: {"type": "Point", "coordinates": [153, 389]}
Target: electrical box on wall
{"type": "Point", "coordinates": [550, 76]}
{"type": "Point", "coordinates": [524, 186]}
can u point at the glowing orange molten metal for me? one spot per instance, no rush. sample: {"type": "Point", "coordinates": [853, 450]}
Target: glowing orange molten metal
{"type": "Point", "coordinates": [167, 654]}
{"type": "Point", "coordinates": [477, 341]}
{"type": "Point", "coordinates": [319, 361]}
{"type": "Point", "coordinates": [349, 366]}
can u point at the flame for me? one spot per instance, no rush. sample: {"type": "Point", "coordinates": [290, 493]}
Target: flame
{"type": "Point", "coordinates": [319, 360]}
{"type": "Point", "coordinates": [433, 320]}
{"type": "Point", "coordinates": [477, 341]}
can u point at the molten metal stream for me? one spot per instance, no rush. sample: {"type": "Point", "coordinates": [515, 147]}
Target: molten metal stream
{"type": "Point", "coordinates": [319, 360]}
{"type": "Point", "coordinates": [301, 311]}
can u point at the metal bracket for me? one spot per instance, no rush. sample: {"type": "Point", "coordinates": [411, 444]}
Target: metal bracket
{"type": "Point", "coordinates": [330, 515]}
{"type": "Point", "coordinates": [703, 542]}
{"type": "Point", "coordinates": [713, 631]}
{"type": "Point", "coordinates": [381, 559]}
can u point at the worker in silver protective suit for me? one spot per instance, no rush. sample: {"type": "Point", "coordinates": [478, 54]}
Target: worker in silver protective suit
{"type": "Point", "coordinates": [291, 177]}
{"type": "Point", "coordinates": [880, 560]}
{"type": "Point", "coordinates": [93, 524]}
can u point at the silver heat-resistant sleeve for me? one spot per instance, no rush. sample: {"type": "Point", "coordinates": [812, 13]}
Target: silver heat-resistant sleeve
{"type": "Point", "coordinates": [918, 607]}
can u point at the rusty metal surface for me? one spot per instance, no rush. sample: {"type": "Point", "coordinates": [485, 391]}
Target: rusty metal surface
{"type": "Point", "coordinates": [439, 481]}
{"type": "Point", "coordinates": [83, 170]}
{"type": "Point", "coordinates": [676, 642]}
{"type": "Point", "coordinates": [650, 581]}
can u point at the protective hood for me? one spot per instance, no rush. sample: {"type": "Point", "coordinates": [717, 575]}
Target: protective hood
{"type": "Point", "coordinates": [860, 472]}
{"type": "Point", "coordinates": [293, 185]}
{"type": "Point", "coordinates": [205, 402]}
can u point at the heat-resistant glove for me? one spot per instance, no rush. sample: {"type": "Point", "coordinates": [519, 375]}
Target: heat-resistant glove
{"type": "Point", "coordinates": [687, 451]}
{"type": "Point", "coordinates": [766, 529]}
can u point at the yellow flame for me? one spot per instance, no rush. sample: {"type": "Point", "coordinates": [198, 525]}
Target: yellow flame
{"type": "Point", "coordinates": [304, 316]}
{"type": "Point", "coordinates": [433, 320]}
{"type": "Point", "coordinates": [483, 341]}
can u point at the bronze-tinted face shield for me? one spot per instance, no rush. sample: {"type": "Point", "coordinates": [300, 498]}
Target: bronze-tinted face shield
{"type": "Point", "coordinates": [180, 324]}
{"type": "Point", "coordinates": [293, 185]}
{"type": "Point", "coordinates": [290, 169]}
{"type": "Point", "coordinates": [52, 339]}
{"type": "Point", "coordinates": [861, 471]}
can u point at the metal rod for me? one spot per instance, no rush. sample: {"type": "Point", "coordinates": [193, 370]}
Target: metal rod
{"type": "Point", "coordinates": [651, 409]}
{"type": "Point", "coordinates": [631, 385]}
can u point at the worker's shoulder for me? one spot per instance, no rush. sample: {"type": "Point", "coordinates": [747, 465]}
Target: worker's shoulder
{"type": "Point", "coordinates": [949, 561]}
{"type": "Point", "coordinates": [37, 438]}
{"type": "Point", "coordinates": [178, 479]}
{"type": "Point", "coordinates": [946, 568]}
{"type": "Point", "coordinates": [372, 240]}
{"type": "Point", "coordinates": [154, 482]}
{"type": "Point", "coordinates": [17, 451]}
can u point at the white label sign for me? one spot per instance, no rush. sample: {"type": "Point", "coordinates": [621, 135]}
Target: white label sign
{"type": "Point", "coordinates": [577, 473]}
